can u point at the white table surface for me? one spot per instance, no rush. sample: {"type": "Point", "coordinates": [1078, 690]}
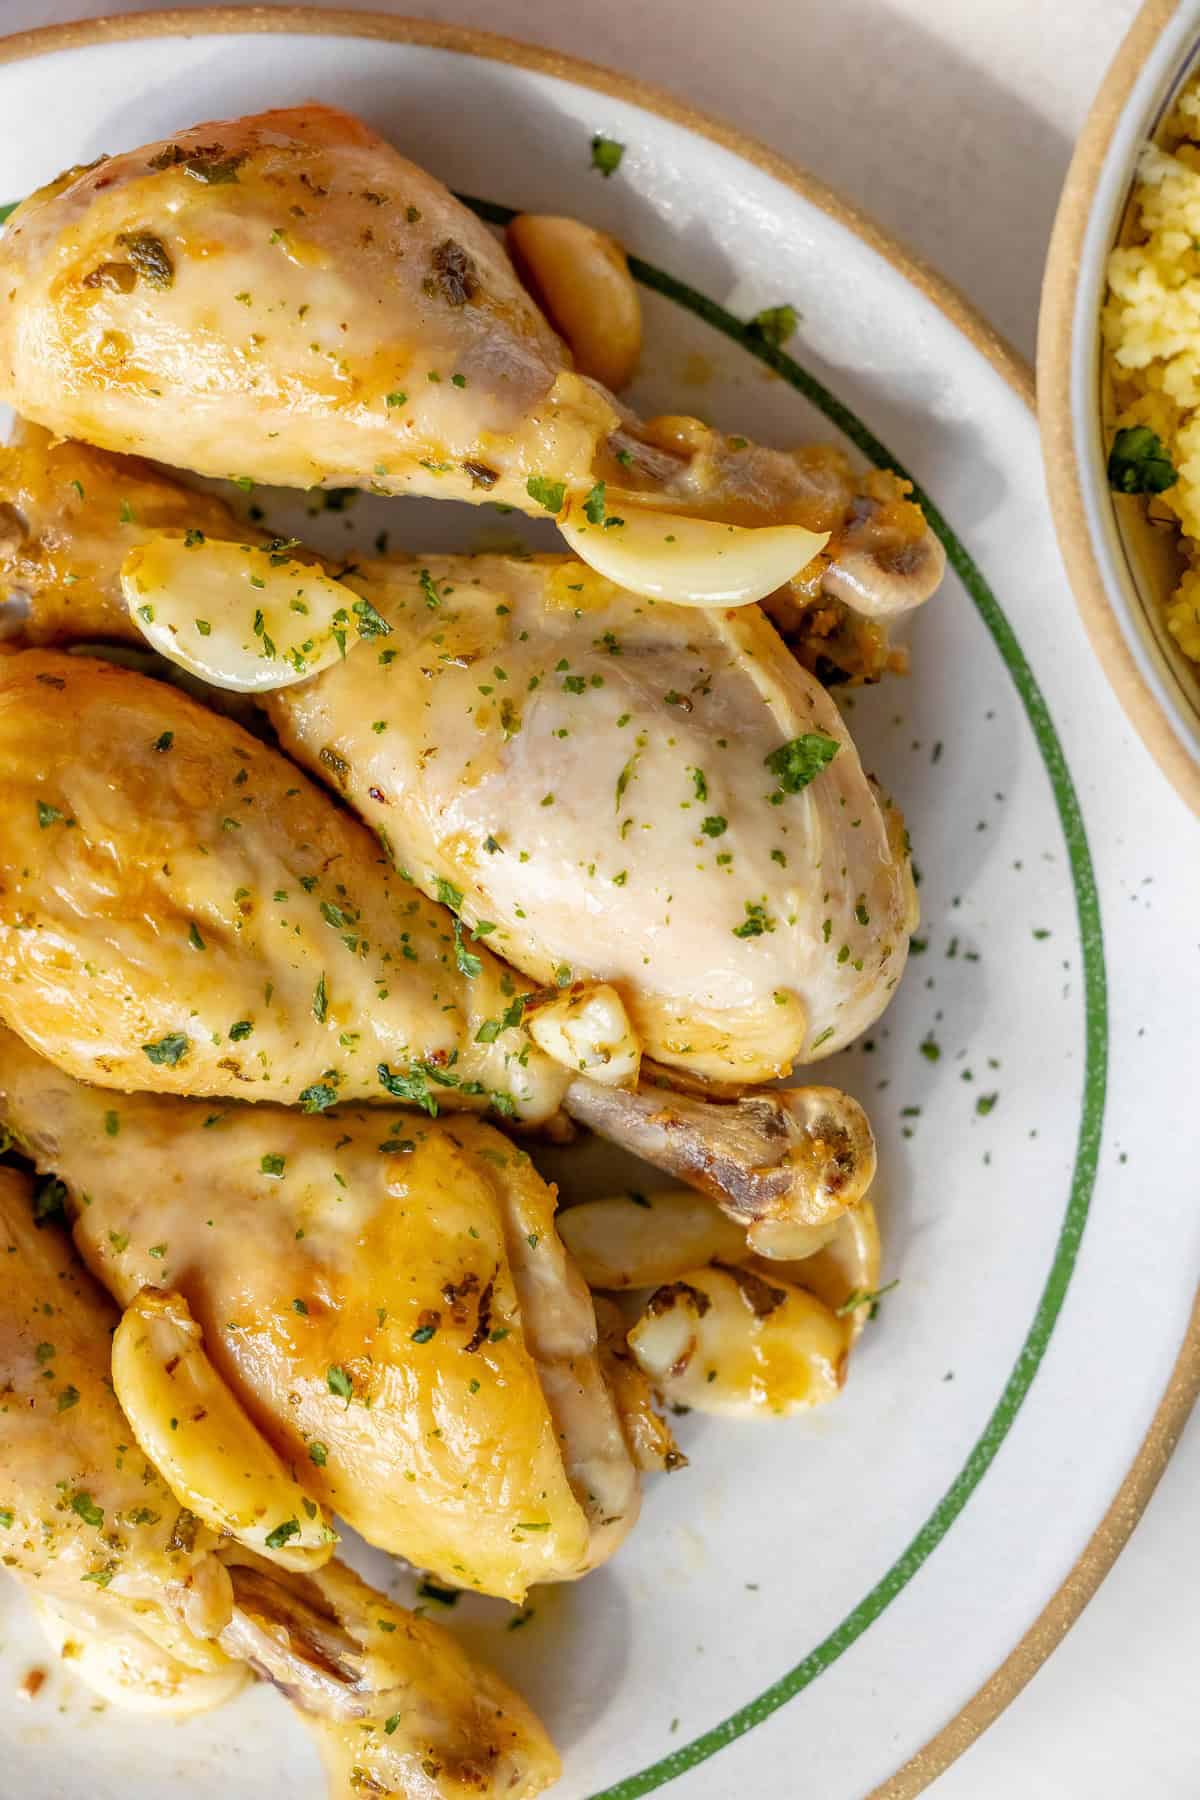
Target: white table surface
{"type": "Point", "coordinates": [952, 122]}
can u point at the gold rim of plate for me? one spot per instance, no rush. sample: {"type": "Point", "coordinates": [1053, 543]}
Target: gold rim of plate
{"type": "Point", "coordinates": [1133, 1495]}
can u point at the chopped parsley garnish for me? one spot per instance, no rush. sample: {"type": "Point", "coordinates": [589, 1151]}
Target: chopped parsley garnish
{"type": "Point", "coordinates": [797, 763]}
{"type": "Point", "coordinates": [756, 922]}
{"type": "Point", "coordinates": [413, 1087]}
{"type": "Point", "coordinates": [448, 894]}
{"type": "Point", "coordinates": [593, 506]}
{"type": "Point", "coordinates": [466, 961]}
{"type": "Point", "coordinates": [775, 324]}
{"type": "Point", "coordinates": [432, 597]}
{"type": "Point", "coordinates": [550, 494]}
{"type": "Point", "coordinates": [985, 1103]}
{"type": "Point", "coordinates": [169, 1051]}
{"type": "Point", "coordinates": [864, 1297]}
{"type": "Point", "coordinates": [317, 1453]}
{"type": "Point", "coordinates": [339, 1383]}
{"type": "Point", "coordinates": [714, 826]}
{"type": "Point", "coordinates": [318, 1097]}
{"type": "Point", "coordinates": [48, 815]}
{"type": "Point", "coordinates": [165, 741]}
{"type": "Point", "coordinates": [320, 1002]}
{"type": "Point", "coordinates": [275, 1540]}
{"type": "Point", "coordinates": [272, 1164]}
{"type": "Point", "coordinates": [1139, 462]}
{"type": "Point", "coordinates": [239, 1030]}
{"type": "Point", "coordinates": [423, 1333]}
{"type": "Point", "coordinates": [112, 1124]}
{"type": "Point", "coordinates": [606, 155]}
{"type": "Point", "coordinates": [370, 623]}
{"type": "Point", "coordinates": [83, 1504]}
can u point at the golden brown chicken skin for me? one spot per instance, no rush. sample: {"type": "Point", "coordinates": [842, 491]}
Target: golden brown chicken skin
{"type": "Point", "coordinates": [648, 726]}
{"type": "Point", "coordinates": [286, 299]}
{"type": "Point", "coordinates": [181, 909]}
{"type": "Point", "coordinates": [157, 1613]}
{"type": "Point", "coordinates": [408, 1334]}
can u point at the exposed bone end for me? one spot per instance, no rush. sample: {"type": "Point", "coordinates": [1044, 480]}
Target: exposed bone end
{"type": "Point", "coordinates": [885, 560]}
{"type": "Point", "coordinates": [802, 1154]}
{"type": "Point", "coordinates": [396, 1705]}
{"type": "Point", "coordinates": [588, 1031]}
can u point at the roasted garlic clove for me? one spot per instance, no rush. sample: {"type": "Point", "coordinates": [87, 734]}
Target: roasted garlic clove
{"type": "Point", "coordinates": [690, 562]}
{"type": "Point", "coordinates": [209, 1452]}
{"type": "Point", "coordinates": [642, 1240]}
{"type": "Point", "coordinates": [240, 615]}
{"type": "Point", "coordinates": [588, 1031]}
{"type": "Point", "coordinates": [580, 279]}
{"type": "Point", "coordinates": [844, 1271]}
{"type": "Point", "coordinates": [727, 1340]}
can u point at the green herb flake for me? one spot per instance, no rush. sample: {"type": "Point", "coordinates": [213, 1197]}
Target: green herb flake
{"type": "Point", "coordinates": [1139, 462]}
{"type": "Point", "coordinates": [550, 494]}
{"type": "Point", "coordinates": [169, 1051]}
{"type": "Point", "coordinates": [864, 1297]}
{"type": "Point", "coordinates": [83, 1504]}
{"type": "Point", "coordinates": [318, 1098]}
{"type": "Point", "coordinates": [606, 155]}
{"type": "Point", "coordinates": [801, 760]}
{"type": "Point", "coordinates": [775, 325]}
{"type": "Point", "coordinates": [275, 1540]}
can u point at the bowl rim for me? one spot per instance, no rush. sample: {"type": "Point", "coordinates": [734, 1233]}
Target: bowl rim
{"type": "Point", "coordinates": [1061, 346]}
{"type": "Point", "coordinates": [1182, 1391]}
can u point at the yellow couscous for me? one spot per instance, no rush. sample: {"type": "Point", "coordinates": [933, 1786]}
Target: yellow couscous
{"type": "Point", "coordinates": [1151, 326]}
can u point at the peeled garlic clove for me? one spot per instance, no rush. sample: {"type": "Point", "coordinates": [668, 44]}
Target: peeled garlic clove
{"type": "Point", "coordinates": [580, 279]}
{"type": "Point", "coordinates": [239, 615]}
{"type": "Point", "coordinates": [588, 1030]}
{"type": "Point", "coordinates": [690, 562]}
{"type": "Point", "coordinates": [844, 1273]}
{"type": "Point", "coordinates": [641, 1241]}
{"type": "Point", "coordinates": [208, 1451]}
{"type": "Point", "coordinates": [127, 1668]}
{"type": "Point", "coordinates": [724, 1340]}
{"type": "Point", "coordinates": [786, 1240]}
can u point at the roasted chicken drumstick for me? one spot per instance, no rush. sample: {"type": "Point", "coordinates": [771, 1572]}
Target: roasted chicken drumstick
{"type": "Point", "coordinates": [182, 911]}
{"type": "Point", "coordinates": [408, 1335]}
{"type": "Point", "coordinates": [613, 786]}
{"type": "Point", "coordinates": [160, 1613]}
{"type": "Point", "coordinates": [286, 299]}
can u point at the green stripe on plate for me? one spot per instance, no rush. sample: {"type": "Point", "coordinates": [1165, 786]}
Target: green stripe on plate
{"type": "Point", "coordinates": [1091, 1121]}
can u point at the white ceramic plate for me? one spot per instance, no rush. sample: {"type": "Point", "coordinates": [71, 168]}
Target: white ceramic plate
{"type": "Point", "coordinates": [815, 1600]}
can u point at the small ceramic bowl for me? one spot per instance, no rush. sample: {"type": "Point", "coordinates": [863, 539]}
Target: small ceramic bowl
{"type": "Point", "coordinates": [1121, 565]}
